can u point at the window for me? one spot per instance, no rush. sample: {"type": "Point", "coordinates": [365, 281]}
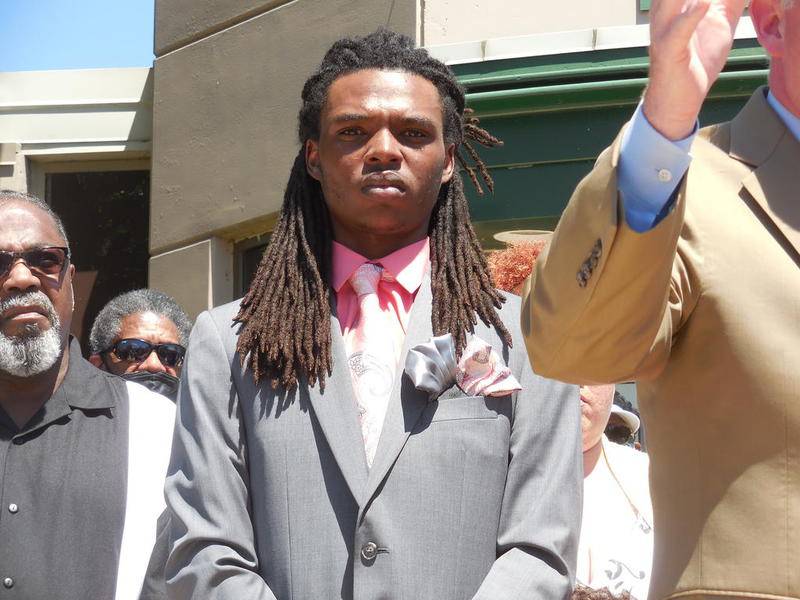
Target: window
{"type": "Point", "coordinates": [248, 256]}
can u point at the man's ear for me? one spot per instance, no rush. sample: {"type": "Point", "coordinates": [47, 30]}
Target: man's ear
{"type": "Point", "coordinates": [97, 361]}
{"type": "Point", "coordinates": [312, 159]}
{"type": "Point", "coordinates": [767, 18]}
{"type": "Point", "coordinates": [449, 164]}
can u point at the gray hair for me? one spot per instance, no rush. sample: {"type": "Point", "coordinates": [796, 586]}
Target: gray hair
{"type": "Point", "coordinates": [108, 323]}
{"type": "Point", "coordinates": [7, 196]}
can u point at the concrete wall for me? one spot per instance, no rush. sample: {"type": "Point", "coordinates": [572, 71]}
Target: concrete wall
{"type": "Point", "coordinates": [74, 112]}
{"type": "Point", "coordinates": [455, 21]}
{"type": "Point", "coordinates": [228, 77]}
{"type": "Point", "coordinates": [80, 116]}
{"type": "Point", "coordinates": [198, 276]}
{"type": "Point", "coordinates": [13, 174]}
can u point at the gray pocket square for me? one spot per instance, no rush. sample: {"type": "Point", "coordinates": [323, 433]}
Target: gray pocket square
{"type": "Point", "coordinates": [432, 365]}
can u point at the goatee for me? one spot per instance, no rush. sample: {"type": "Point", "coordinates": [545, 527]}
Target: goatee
{"type": "Point", "coordinates": [35, 350]}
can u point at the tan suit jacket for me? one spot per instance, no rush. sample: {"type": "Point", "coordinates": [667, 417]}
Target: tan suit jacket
{"type": "Point", "coordinates": [703, 311]}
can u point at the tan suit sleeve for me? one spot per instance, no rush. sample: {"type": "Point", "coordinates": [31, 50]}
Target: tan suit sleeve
{"type": "Point", "coordinates": [604, 302]}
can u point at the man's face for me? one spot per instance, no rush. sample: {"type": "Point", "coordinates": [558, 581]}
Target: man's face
{"type": "Point", "coordinates": [26, 227]}
{"type": "Point", "coordinates": [596, 403]}
{"type": "Point", "coordinates": [381, 158]}
{"type": "Point", "coordinates": [150, 327]}
{"type": "Point", "coordinates": [778, 29]}
{"type": "Point", "coordinates": [791, 59]}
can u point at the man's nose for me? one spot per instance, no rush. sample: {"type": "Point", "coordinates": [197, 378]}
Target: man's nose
{"type": "Point", "coordinates": [21, 279]}
{"type": "Point", "coordinates": [152, 363]}
{"type": "Point", "coordinates": [383, 148]}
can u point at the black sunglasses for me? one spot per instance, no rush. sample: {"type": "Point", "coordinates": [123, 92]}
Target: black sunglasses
{"type": "Point", "coordinates": [619, 434]}
{"type": "Point", "coordinates": [135, 350]}
{"type": "Point", "coordinates": [49, 261]}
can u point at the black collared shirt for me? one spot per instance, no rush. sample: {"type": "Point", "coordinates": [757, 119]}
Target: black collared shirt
{"type": "Point", "coordinates": [62, 490]}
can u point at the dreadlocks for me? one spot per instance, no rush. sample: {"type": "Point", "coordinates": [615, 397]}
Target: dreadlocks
{"type": "Point", "coordinates": [285, 316]}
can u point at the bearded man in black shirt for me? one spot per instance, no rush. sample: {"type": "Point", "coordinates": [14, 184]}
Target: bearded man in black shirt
{"type": "Point", "coordinates": [82, 459]}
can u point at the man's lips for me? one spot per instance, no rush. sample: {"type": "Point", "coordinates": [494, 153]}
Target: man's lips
{"type": "Point", "coordinates": [379, 182]}
{"type": "Point", "coordinates": [17, 312]}
{"type": "Point", "coordinates": [388, 190]}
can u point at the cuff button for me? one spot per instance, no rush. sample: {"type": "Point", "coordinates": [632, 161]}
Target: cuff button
{"type": "Point", "coordinates": [664, 175]}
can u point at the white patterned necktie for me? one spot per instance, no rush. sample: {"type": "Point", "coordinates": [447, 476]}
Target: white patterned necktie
{"type": "Point", "coordinates": [371, 356]}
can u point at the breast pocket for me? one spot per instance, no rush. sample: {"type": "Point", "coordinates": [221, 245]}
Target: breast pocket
{"type": "Point", "coordinates": [463, 407]}
{"type": "Point", "coordinates": [463, 430]}
{"type": "Point", "coordinates": [456, 460]}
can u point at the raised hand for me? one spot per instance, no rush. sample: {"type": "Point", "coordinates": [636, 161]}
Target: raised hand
{"type": "Point", "coordinates": [689, 44]}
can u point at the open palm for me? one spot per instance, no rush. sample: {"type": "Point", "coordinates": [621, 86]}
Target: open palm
{"type": "Point", "coordinates": [689, 44]}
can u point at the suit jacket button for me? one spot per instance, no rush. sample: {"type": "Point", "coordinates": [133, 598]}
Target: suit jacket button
{"type": "Point", "coordinates": [581, 277]}
{"type": "Point", "coordinates": [369, 551]}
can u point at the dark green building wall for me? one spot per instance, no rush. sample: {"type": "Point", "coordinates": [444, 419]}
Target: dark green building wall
{"type": "Point", "coordinates": [557, 113]}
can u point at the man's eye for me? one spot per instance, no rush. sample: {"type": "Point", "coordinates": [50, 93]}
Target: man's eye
{"type": "Point", "coordinates": [350, 131]}
{"type": "Point", "coordinates": [416, 133]}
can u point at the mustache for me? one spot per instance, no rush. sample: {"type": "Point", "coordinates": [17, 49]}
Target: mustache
{"type": "Point", "coordinates": [384, 178]}
{"type": "Point", "coordinates": [36, 298]}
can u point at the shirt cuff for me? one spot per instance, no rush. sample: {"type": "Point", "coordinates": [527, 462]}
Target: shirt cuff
{"type": "Point", "coordinates": [650, 169]}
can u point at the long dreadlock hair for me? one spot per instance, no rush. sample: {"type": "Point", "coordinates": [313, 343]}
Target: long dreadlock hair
{"type": "Point", "coordinates": [285, 316]}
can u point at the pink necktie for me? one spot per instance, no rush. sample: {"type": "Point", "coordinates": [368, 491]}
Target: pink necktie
{"type": "Point", "coordinates": [371, 356]}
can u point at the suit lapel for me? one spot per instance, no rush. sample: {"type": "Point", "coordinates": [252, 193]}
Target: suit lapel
{"type": "Point", "coordinates": [406, 402]}
{"type": "Point", "coordinates": [337, 414]}
{"type": "Point", "coordinates": [770, 185]}
{"type": "Point", "coordinates": [761, 139]}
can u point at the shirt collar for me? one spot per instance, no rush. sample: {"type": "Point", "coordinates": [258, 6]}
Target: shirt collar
{"type": "Point", "coordinates": [791, 121]}
{"type": "Point", "coordinates": [84, 386]}
{"type": "Point", "coordinates": [407, 265]}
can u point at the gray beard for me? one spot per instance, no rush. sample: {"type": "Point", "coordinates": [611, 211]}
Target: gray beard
{"type": "Point", "coordinates": [35, 351]}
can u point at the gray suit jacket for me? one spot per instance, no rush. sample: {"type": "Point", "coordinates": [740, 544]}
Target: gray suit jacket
{"type": "Point", "coordinates": [270, 496]}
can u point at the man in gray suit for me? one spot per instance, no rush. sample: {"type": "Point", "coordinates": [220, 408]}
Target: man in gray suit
{"type": "Point", "coordinates": [308, 463]}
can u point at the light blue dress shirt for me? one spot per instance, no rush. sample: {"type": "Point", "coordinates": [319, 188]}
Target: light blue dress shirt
{"type": "Point", "coordinates": [651, 166]}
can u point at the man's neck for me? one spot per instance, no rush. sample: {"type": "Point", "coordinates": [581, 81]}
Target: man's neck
{"type": "Point", "coordinates": [377, 246]}
{"type": "Point", "coordinates": [22, 397]}
{"type": "Point", "coordinates": [591, 457]}
{"type": "Point", "coordinates": [780, 91]}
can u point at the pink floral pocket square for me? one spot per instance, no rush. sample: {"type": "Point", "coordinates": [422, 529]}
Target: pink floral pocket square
{"type": "Point", "coordinates": [480, 371]}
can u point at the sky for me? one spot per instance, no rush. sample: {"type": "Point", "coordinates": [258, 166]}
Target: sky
{"type": "Point", "coordinates": [75, 34]}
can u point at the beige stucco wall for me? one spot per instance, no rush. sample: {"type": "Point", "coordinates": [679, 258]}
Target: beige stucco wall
{"type": "Point", "coordinates": [180, 22]}
{"type": "Point", "coordinates": [198, 276]}
{"type": "Point", "coordinates": [12, 168]}
{"type": "Point", "coordinates": [455, 21]}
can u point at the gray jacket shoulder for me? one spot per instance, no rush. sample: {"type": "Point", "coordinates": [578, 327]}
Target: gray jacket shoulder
{"type": "Point", "coordinates": [509, 314]}
{"type": "Point", "coordinates": [223, 315]}
{"type": "Point", "coordinates": [218, 322]}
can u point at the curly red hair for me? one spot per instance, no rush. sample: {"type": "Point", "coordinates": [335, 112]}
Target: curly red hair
{"type": "Point", "coordinates": [582, 592]}
{"type": "Point", "coordinates": [512, 266]}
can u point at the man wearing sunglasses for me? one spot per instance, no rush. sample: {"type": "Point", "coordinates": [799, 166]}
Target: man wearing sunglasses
{"type": "Point", "coordinates": [624, 423]}
{"type": "Point", "coordinates": [83, 454]}
{"type": "Point", "coordinates": [141, 336]}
